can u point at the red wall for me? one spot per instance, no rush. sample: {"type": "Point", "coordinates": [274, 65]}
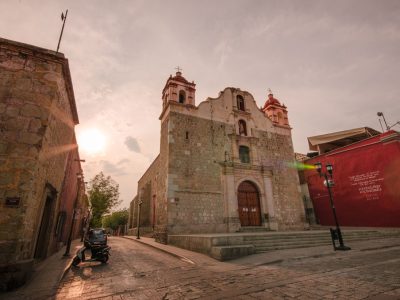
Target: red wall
{"type": "Point", "coordinates": [69, 192]}
{"type": "Point", "coordinates": [367, 183]}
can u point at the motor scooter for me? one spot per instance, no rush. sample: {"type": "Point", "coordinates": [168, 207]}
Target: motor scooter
{"type": "Point", "coordinates": [96, 241]}
{"type": "Point", "coordinates": [99, 253]}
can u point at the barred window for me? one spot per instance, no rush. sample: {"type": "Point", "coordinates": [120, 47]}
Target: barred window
{"type": "Point", "coordinates": [240, 102]}
{"type": "Point", "coordinates": [244, 154]}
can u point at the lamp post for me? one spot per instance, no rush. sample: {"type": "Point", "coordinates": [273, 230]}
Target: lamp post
{"type": "Point", "coordinates": [138, 220]}
{"type": "Point", "coordinates": [336, 234]}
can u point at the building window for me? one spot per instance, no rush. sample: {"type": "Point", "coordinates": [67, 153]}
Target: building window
{"type": "Point", "coordinates": [242, 127]}
{"type": "Point", "coordinates": [182, 97]}
{"type": "Point", "coordinates": [244, 154]}
{"type": "Point", "coordinates": [240, 102]}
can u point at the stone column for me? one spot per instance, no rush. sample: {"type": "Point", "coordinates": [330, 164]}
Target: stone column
{"type": "Point", "coordinates": [231, 217]}
{"type": "Point", "coordinates": [267, 177]}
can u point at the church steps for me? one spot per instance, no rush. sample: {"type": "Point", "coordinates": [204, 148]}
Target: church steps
{"type": "Point", "coordinates": [309, 241]}
{"type": "Point", "coordinates": [234, 245]}
{"type": "Point", "coordinates": [271, 247]}
{"type": "Point", "coordinates": [320, 235]}
{"type": "Point", "coordinates": [263, 244]}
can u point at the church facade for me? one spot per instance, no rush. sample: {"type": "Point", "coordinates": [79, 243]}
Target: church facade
{"type": "Point", "coordinates": [223, 166]}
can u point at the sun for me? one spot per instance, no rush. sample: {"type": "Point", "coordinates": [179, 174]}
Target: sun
{"type": "Point", "coordinates": [92, 141]}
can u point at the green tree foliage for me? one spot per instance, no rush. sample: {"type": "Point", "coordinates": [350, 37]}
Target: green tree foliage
{"type": "Point", "coordinates": [117, 218]}
{"type": "Point", "coordinates": [103, 196]}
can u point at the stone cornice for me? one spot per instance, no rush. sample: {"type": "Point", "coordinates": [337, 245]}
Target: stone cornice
{"type": "Point", "coordinates": [46, 55]}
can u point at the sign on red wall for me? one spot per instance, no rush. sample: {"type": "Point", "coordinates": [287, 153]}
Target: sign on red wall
{"type": "Point", "coordinates": [367, 183]}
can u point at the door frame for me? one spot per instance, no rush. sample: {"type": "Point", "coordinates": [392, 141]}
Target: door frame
{"type": "Point", "coordinates": [45, 223]}
{"type": "Point", "coordinates": [257, 190]}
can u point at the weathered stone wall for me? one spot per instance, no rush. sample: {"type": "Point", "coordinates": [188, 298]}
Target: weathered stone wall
{"type": "Point", "coordinates": [276, 150]}
{"type": "Point", "coordinates": [196, 149]}
{"type": "Point", "coordinates": [147, 187]}
{"type": "Point", "coordinates": [161, 223]}
{"type": "Point", "coordinates": [37, 117]}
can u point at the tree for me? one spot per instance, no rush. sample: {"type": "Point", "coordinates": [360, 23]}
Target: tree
{"type": "Point", "coordinates": [116, 219]}
{"type": "Point", "coordinates": [103, 196]}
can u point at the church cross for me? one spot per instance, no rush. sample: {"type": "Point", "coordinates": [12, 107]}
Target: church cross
{"type": "Point", "coordinates": [178, 69]}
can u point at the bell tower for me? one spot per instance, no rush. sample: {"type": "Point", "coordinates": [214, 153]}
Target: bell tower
{"type": "Point", "coordinates": [179, 90]}
{"type": "Point", "coordinates": [276, 111]}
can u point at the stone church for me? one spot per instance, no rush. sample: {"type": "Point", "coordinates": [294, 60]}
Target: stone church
{"type": "Point", "coordinates": [223, 166]}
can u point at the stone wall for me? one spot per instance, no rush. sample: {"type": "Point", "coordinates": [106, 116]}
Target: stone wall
{"type": "Point", "coordinates": [146, 189]}
{"type": "Point", "coordinates": [196, 149]}
{"type": "Point", "coordinates": [161, 220]}
{"type": "Point", "coordinates": [276, 151]}
{"type": "Point", "coordinates": [37, 118]}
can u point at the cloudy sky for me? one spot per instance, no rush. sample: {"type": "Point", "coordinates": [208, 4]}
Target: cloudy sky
{"type": "Point", "coordinates": [334, 64]}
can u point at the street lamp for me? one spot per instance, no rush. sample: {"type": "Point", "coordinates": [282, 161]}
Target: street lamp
{"type": "Point", "coordinates": [138, 220]}
{"type": "Point", "coordinates": [336, 234]}
{"type": "Point", "coordinates": [380, 114]}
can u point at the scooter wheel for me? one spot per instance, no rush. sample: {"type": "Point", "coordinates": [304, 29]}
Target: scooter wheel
{"type": "Point", "coordinates": [105, 259]}
{"type": "Point", "coordinates": [76, 261]}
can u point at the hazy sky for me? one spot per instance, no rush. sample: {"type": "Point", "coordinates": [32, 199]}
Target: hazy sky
{"type": "Point", "coordinates": [334, 64]}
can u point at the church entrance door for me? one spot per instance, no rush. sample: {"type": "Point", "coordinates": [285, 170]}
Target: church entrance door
{"type": "Point", "coordinates": [249, 204]}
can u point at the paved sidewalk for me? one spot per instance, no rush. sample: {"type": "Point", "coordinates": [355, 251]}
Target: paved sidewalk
{"type": "Point", "coordinates": [46, 276]}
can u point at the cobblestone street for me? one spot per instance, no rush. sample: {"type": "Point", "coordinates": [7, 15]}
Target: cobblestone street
{"type": "Point", "coordinates": [136, 271]}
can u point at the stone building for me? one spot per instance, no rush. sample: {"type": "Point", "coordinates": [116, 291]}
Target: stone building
{"type": "Point", "coordinates": [222, 167]}
{"type": "Point", "coordinates": [39, 160]}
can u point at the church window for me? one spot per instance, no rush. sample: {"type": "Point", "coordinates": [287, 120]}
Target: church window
{"type": "Point", "coordinates": [242, 127]}
{"type": "Point", "coordinates": [187, 135]}
{"type": "Point", "coordinates": [182, 97]}
{"type": "Point", "coordinates": [240, 103]}
{"type": "Point", "coordinates": [244, 154]}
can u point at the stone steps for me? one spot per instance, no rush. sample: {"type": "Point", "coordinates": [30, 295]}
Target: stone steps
{"type": "Point", "coordinates": [233, 245]}
{"type": "Point", "coordinates": [303, 240]}
{"type": "Point", "coordinates": [253, 229]}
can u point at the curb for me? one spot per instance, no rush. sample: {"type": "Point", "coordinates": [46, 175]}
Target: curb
{"type": "Point", "coordinates": [65, 271]}
{"type": "Point", "coordinates": [67, 267]}
{"type": "Point", "coordinates": [183, 258]}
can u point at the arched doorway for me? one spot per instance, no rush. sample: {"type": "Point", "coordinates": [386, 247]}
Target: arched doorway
{"type": "Point", "coordinates": [249, 204]}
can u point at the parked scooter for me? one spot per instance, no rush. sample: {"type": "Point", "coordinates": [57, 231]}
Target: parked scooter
{"type": "Point", "coordinates": [97, 243]}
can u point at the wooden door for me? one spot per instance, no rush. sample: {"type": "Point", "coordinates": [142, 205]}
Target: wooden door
{"type": "Point", "coordinates": [44, 232]}
{"type": "Point", "coordinates": [249, 204]}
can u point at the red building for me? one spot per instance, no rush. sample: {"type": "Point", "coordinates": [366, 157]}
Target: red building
{"type": "Point", "coordinates": [366, 169]}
